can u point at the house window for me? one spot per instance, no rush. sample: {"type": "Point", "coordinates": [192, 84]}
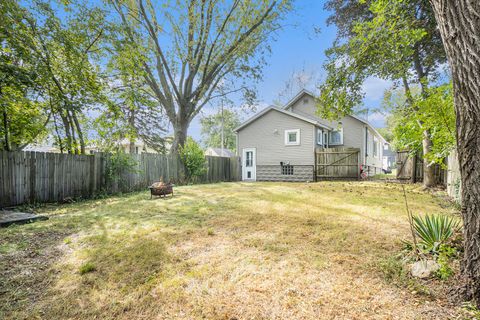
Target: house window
{"type": "Point", "coordinates": [287, 169]}
{"type": "Point", "coordinates": [292, 137]}
{"type": "Point", "coordinates": [319, 137]}
{"type": "Point", "coordinates": [336, 137]}
{"type": "Point", "coordinates": [249, 159]}
{"type": "Point", "coordinates": [375, 147]}
{"type": "Point", "coordinates": [136, 150]}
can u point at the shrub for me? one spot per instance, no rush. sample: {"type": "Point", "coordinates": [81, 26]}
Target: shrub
{"type": "Point", "coordinates": [433, 231]}
{"type": "Point", "coordinates": [193, 159]}
{"type": "Point", "coordinates": [445, 253]}
{"type": "Point", "coordinates": [118, 164]}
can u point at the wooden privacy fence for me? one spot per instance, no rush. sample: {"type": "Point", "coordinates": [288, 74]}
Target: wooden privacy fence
{"type": "Point", "coordinates": [28, 177]}
{"type": "Point", "coordinates": [337, 163]}
{"type": "Point", "coordinates": [408, 164]}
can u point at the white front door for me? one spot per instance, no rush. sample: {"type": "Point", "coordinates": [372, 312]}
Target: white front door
{"type": "Point", "coordinates": [249, 164]}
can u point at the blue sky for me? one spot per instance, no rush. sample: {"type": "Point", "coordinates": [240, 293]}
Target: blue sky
{"type": "Point", "coordinates": [298, 49]}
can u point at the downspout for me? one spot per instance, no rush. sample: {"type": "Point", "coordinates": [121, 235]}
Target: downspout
{"type": "Point", "coordinates": [366, 144]}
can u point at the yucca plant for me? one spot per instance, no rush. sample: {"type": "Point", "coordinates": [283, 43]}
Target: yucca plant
{"type": "Point", "coordinates": [433, 230]}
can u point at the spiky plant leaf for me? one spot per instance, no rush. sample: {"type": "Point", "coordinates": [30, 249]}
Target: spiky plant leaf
{"type": "Point", "coordinates": [433, 230]}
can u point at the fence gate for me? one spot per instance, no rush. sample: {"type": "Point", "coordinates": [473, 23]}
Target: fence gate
{"type": "Point", "coordinates": [407, 164]}
{"type": "Point", "coordinates": [337, 163]}
{"type": "Point", "coordinates": [410, 168]}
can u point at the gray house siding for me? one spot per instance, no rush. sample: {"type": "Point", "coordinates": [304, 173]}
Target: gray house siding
{"type": "Point", "coordinates": [267, 135]}
{"type": "Point", "coordinates": [353, 132]}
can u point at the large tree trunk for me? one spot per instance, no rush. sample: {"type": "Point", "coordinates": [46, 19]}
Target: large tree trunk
{"type": "Point", "coordinates": [180, 128]}
{"type": "Point", "coordinates": [79, 132]}
{"type": "Point", "coordinates": [459, 23]}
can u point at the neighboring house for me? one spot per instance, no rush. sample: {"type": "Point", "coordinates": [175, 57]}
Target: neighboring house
{"type": "Point", "coordinates": [279, 143]}
{"type": "Point", "coordinates": [389, 156]}
{"type": "Point", "coordinates": [219, 152]}
{"type": "Point", "coordinates": [124, 144]}
{"type": "Point", "coordinates": [41, 148]}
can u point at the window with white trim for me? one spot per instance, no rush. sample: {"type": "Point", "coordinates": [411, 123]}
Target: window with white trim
{"type": "Point", "coordinates": [319, 137]}
{"type": "Point", "coordinates": [336, 137]}
{"type": "Point", "coordinates": [292, 137]}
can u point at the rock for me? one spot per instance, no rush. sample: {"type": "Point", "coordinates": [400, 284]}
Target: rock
{"type": "Point", "coordinates": [424, 268]}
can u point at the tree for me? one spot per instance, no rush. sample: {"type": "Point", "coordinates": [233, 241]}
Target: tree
{"type": "Point", "coordinates": [21, 115]}
{"type": "Point", "coordinates": [434, 113]}
{"type": "Point", "coordinates": [459, 26]}
{"type": "Point", "coordinates": [131, 114]}
{"type": "Point", "coordinates": [185, 49]}
{"type": "Point", "coordinates": [395, 40]}
{"type": "Point", "coordinates": [59, 53]}
{"type": "Point", "coordinates": [212, 128]}
{"type": "Point", "coordinates": [297, 81]}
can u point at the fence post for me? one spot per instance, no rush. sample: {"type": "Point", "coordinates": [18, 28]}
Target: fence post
{"type": "Point", "coordinates": [92, 175]}
{"type": "Point", "coordinates": [32, 176]}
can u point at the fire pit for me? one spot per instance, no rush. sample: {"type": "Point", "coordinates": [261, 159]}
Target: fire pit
{"type": "Point", "coordinates": [161, 189]}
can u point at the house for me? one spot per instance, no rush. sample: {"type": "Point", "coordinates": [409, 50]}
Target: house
{"type": "Point", "coordinates": [389, 157]}
{"type": "Point", "coordinates": [124, 144]}
{"type": "Point", "coordinates": [35, 147]}
{"type": "Point", "coordinates": [219, 152]}
{"type": "Point", "coordinates": [279, 143]}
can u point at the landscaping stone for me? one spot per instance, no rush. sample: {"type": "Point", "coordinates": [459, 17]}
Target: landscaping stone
{"type": "Point", "coordinates": [424, 268]}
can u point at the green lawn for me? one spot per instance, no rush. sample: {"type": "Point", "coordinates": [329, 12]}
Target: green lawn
{"type": "Point", "coordinates": [222, 251]}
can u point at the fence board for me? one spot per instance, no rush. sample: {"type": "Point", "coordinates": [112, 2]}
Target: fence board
{"type": "Point", "coordinates": [28, 177]}
{"type": "Point", "coordinates": [337, 163]}
{"type": "Point", "coordinates": [407, 164]}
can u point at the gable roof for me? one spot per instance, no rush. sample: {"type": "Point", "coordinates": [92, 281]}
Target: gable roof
{"type": "Point", "coordinates": [309, 93]}
{"type": "Point", "coordinates": [289, 113]}
{"type": "Point", "coordinates": [297, 97]}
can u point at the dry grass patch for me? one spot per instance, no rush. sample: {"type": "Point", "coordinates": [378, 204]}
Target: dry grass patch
{"type": "Point", "coordinates": [221, 251]}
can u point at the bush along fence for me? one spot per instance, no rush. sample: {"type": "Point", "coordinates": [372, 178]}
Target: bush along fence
{"type": "Point", "coordinates": [30, 177]}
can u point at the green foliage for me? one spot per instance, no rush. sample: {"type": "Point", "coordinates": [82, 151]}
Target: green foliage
{"type": "Point", "coordinates": [211, 129]}
{"type": "Point", "coordinates": [383, 38]}
{"type": "Point", "coordinates": [86, 268]}
{"type": "Point", "coordinates": [119, 163]}
{"type": "Point", "coordinates": [432, 111]}
{"type": "Point", "coordinates": [49, 69]}
{"type": "Point", "coordinates": [433, 231]}
{"type": "Point", "coordinates": [193, 159]}
{"type": "Point", "coordinates": [189, 53]}
{"type": "Point", "coordinates": [445, 254]}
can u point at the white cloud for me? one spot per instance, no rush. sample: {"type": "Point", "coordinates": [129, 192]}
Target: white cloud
{"type": "Point", "coordinates": [375, 87]}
